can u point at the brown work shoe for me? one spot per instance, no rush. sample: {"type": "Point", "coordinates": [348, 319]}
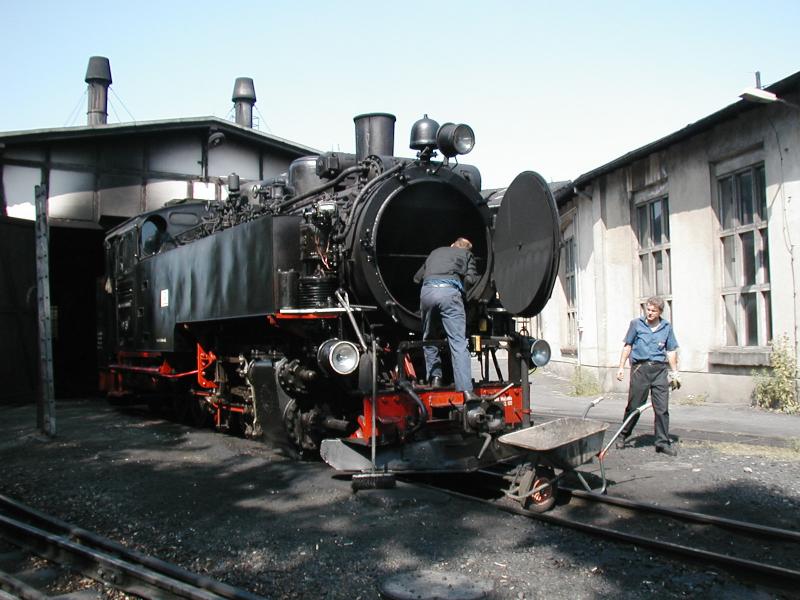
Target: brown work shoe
{"type": "Point", "coordinates": [620, 443]}
{"type": "Point", "coordinates": [667, 449]}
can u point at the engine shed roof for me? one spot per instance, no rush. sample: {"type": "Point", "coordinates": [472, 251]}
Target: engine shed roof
{"type": "Point", "coordinates": [784, 86]}
{"type": "Point", "coordinates": [199, 124]}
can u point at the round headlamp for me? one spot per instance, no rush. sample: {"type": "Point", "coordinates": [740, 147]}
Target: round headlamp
{"type": "Point", "coordinates": [338, 356]}
{"type": "Point", "coordinates": [455, 139]}
{"type": "Point", "coordinates": [540, 353]}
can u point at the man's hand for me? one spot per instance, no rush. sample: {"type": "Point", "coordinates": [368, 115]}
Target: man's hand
{"type": "Point", "coordinates": [620, 374]}
{"type": "Point", "coordinates": [674, 380]}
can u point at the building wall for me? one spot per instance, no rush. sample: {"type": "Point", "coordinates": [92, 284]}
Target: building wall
{"type": "Point", "coordinates": [609, 274]}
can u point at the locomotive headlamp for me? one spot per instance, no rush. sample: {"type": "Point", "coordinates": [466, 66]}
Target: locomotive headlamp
{"type": "Point", "coordinates": [338, 356]}
{"type": "Point", "coordinates": [455, 139]}
{"type": "Point", "coordinates": [540, 352]}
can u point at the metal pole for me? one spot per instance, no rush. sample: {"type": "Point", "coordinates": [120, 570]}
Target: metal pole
{"type": "Point", "coordinates": [45, 407]}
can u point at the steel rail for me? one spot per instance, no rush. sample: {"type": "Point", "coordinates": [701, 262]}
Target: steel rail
{"type": "Point", "coordinates": [106, 560]}
{"type": "Point", "coordinates": [12, 588]}
{"type": "Point", "coordinates": [687, 515]}
{"type": "Point", "coordinates": [735, 564]}
{"type": "Point", "coordinates": [677, 513]}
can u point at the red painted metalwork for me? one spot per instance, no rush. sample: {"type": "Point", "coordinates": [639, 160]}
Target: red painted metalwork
{"type": "Point", "coordinates": [164, 370]}
{"type": "Point", "coordinates": [131, 354]}
{"type": "Point", "coordinates": [408, 367]}
{"type": "Point", "coordinates": [307, 316]}
{"type": "Point", "coordinates": [396, 410]}
{"type": "Point", "coordinates": [204, 360]}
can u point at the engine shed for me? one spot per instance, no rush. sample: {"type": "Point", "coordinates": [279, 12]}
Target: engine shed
{"type": "Point", "coordinates": [97, 176]}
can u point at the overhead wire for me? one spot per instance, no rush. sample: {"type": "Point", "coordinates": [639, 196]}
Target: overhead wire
{"type": "Point", "coordinates": [74, 114]}
{"type": "Point", "coordinates": [123, 104]}
{"type": "Point", "coordinates": [263, 121]}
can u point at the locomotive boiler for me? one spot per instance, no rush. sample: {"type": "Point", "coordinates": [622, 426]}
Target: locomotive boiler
{"type": "Point", "coordinates": [288, 310]}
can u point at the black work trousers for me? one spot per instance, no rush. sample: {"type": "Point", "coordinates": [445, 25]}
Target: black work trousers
{"type": "Point", "coordinates": [649, 378]}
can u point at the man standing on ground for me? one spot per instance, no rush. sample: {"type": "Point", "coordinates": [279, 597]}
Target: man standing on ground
{"type": "Point", "coordinates": [446, 272]}
{"type": "Point", "coordinates": [651, 344]}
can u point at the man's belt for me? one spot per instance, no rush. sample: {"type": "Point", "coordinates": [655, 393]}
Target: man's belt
{"type": "Point", "coordinates": [649, 362]}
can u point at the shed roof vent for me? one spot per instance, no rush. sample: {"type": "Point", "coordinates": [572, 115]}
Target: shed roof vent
{"type": "Point", "coordinates": [98, 76]}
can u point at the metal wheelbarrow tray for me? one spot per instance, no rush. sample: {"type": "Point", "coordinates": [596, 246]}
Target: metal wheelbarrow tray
{"type": "Point", "coordinates": [565, 444]}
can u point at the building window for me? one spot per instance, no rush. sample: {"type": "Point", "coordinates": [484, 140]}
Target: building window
{"type": "Point", "coordinates": [652, 224]}
{"type": "Point", "coordinates": [571, 296]}
{"type": "Point", "coordinates": [742, 209]}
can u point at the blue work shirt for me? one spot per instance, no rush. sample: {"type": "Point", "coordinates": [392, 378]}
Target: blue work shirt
{"type": "Point", "coordinates": [647, 344]}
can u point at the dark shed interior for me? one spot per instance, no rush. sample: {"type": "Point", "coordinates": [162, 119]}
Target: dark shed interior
{"type": "Point", "coordinates": [76, 264]}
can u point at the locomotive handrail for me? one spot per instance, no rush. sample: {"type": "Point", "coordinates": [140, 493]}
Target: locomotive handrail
{"type": "Point", "coordinates": [346, 305]}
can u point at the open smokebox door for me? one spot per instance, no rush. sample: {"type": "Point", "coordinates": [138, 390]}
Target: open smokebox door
{"type": "Point", "coordinates": [527, 242]}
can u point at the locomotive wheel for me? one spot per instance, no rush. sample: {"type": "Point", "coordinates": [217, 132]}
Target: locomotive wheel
{"type": "Point", "coordinates": [295, 429]}
{"type": "Point", "coordinates": [544, 499]}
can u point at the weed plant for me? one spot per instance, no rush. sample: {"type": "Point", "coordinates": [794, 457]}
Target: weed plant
{"type": "Point", "coordinates": [776, 387]}
{"type": "Point", "coordinates": [584, 384]}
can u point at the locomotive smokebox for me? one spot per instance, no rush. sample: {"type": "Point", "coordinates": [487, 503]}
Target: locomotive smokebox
{"type": "Point", "coordinates": [374, 135]}
{"type": "Point", "coordinates": [401, 222]}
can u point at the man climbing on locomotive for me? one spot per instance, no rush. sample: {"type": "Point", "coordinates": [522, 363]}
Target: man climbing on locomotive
{"type": "Point", "coordinates": [446, 275]}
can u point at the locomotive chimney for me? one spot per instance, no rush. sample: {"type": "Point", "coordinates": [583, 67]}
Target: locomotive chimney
{"type": "Point", "coordinates": [374, 135]}
{"type": "Point", "coordinates": [244, 97]}
{"type": "Point", "coordinates": [98, 76]}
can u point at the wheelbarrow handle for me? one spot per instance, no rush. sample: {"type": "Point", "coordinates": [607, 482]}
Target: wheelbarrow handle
{"type": "Point", "coordinates": [592, 404]}
{"type": "Point", "coordinates": [637, 412]}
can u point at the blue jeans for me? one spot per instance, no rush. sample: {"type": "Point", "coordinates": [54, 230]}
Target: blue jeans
{"type": "Point", "coordinates": [442, 307]}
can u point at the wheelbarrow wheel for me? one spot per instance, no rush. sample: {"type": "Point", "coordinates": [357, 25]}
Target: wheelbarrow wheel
{"type": "Point", "coordinates": [544, 499]}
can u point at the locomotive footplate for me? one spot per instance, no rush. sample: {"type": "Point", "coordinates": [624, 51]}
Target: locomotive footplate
{"type": "Point", "coordinates": [454, 453]}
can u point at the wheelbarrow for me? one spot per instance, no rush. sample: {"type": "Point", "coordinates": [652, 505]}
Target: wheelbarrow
{"type": "Point", "coordinates": [564, 444]}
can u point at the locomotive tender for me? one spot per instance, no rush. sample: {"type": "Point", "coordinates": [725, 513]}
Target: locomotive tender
{"type": "Point", "coordinates": [288, 310]}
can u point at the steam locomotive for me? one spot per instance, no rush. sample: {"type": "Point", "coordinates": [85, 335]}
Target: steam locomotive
{"type": "Point", "coordinates": [288, 310]}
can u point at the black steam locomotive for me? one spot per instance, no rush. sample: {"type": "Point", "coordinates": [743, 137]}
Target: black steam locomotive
{"type": "Point", "coordinates": [288, 310]}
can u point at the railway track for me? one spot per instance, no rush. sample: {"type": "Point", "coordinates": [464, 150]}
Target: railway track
{"type": "Point", "coordinates": [101, 559]}
{"type": "Point", "coordinates": [768, 554]}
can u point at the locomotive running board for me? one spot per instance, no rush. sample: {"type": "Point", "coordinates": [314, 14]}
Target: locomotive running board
{"type": "Point", "coordinates": [342, 457]}
{"type": "Point", "coordinates": [446, 454]}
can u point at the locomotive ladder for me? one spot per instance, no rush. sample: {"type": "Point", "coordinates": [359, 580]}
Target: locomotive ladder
{"type": "Point", "coordinates": [45, 405]}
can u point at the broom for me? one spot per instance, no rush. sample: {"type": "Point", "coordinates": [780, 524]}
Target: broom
{"type": "Point", "coordinates": [373, 479]}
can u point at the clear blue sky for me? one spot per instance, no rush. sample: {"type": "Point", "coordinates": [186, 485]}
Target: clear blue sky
{"type": "Point", "coordinates": [560, 90]}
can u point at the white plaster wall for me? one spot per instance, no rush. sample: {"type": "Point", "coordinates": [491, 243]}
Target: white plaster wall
{"type": "Point", "coordinates": [783, 200]}
{"type": "Point", "coordinates": [694, 254]}
{"type": "Point", "coordinates": [608, 277]}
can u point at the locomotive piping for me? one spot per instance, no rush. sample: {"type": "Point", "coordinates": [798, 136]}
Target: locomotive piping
{"type": "Point", "coordinates": [406, 386]}
{"type": "Point", "coordinates": [372, 183]}
{"type": "Point", "coordinates": [321, 188]}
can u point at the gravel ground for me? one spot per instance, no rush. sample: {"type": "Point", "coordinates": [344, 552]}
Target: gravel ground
{"type": "Point", "coordinates": [236, 510]}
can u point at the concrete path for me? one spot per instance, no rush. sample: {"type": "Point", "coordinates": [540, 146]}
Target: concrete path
{"type": "Point", "coordinates": [551, 396]}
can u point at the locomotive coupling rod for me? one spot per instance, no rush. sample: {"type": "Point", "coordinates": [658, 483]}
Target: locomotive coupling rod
{"type": "Point", "coordinates": [346, 306]}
